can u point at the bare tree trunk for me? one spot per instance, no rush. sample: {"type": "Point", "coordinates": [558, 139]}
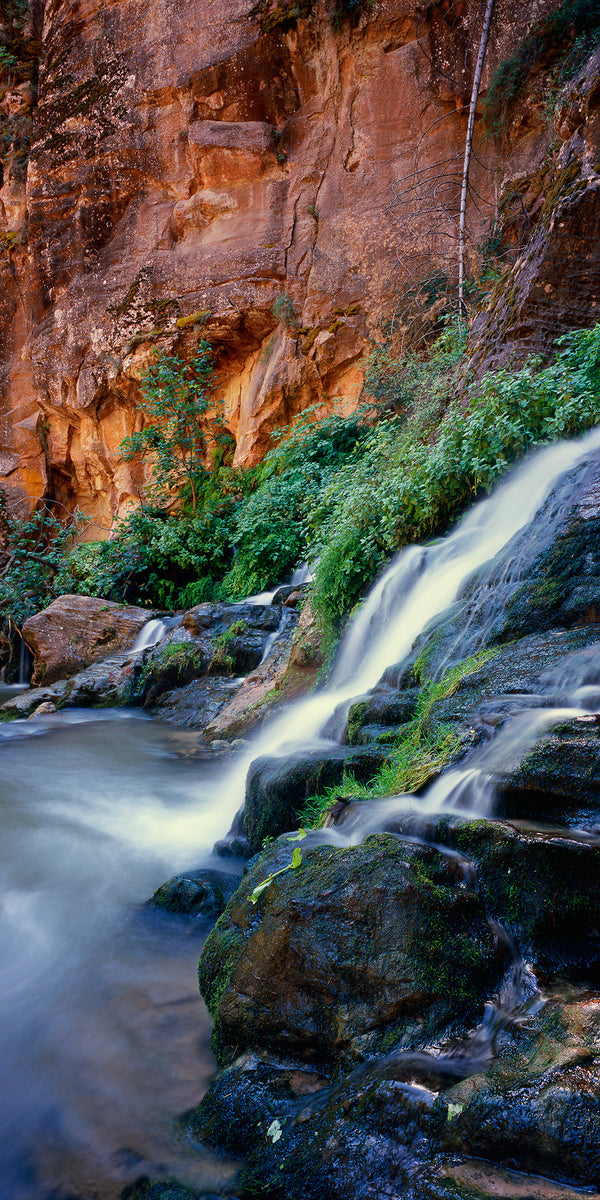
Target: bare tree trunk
{"type": "Point", "coordinates": [467, 159]}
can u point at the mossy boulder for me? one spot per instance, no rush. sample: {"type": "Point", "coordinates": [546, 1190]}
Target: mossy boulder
{"type": "Point", "coordinates": [277, 788]}
{"type": "Point", "coordinates": [542, 885]}
{"type": "Point", "coordinates": [200, 894]}
{"type": "Point", "coordinates": [545, 889]}
{"type": "Point", "coordinates": [356, 943]}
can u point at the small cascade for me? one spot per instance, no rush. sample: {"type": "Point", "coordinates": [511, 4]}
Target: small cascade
{"type": "Point", "coordinates": [154, 631]}
{"type": "Point", "coordinates": [303, 574]}
{"type": "Point", "coordinates": [284, 624]}
{"type": "Point", "coordinates": [25, 665]}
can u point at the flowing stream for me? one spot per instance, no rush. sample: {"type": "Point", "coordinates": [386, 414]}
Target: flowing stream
{"type": "Point", "coordinates": [103, 1036]}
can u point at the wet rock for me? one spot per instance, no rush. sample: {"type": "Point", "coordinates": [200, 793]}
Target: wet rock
{"type": "Point", "coordinates": [384, 707]}
{"type": "Point", "coordinates": [548, 1127]}
{"type": "Point", "coordinates": [168, 667]}
{"type": "Point", "coordinates": [291, 594]}
{"type": "Point", "coordinates": [541, 884]}
{"type": "Point", "coordinates": [559, 779]}
{"type": "Point", "coordinates": [168, 1189]}
{"type": "Point", "coordinates": [202, 893]}
{"type": "Point", "coordinates": [243, 1100]}
{"type": "Point", "coordinates": [277, 788]}
{"type": "Point", "coordinates": [76, 631]}
{"type": "Point", "coordinates": [368, 1138]}
{"type": "Point", "coordinates": [43, 710]}
{"type": "Point", "coordinates": [27, 702]}
{"type": "Point", "coordinates": [197, 704]}
{"type": "Point", "coordinates": [218, 618]}
{"type": "Point", "coordinates": [354, 944]}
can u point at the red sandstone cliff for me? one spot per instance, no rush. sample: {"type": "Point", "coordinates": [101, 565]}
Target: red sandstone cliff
{"type": "Point", "coordinates": [189, 169]}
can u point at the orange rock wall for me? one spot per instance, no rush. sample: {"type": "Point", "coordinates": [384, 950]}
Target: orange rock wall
{"type": "Point", "coordinates": [188, 171]}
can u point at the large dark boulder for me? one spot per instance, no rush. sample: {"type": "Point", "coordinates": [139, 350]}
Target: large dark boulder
{"type": "Point", "coordinates": [354, 947]}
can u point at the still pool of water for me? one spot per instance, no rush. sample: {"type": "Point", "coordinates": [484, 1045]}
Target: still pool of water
{"type": "Point", "coordinates": [104, 1037]}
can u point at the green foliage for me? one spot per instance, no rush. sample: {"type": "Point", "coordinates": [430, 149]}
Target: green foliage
{"type": "Point", "coordinates": [344, 491]}
{"type": "Point", "coordinates": [405, 488]}
{"type": "Point", "coordinates": [183, 658]}
{"type": "Point", "coordinates": [221, 660]}
{"type": "Point", "coordinates": [176, 400]}
{"type": "Point", "coordinates": [424, 747]}
{"type": "Point", "coordinates": [284, 312]}
{"type": "Point", "coordinates": [32, 551]}
{"type": "Point", "coordinates": [272, 525]}
{"type": "Point", "coordinates": [155, 558]}
{"type": "Point", "coordinates": [564, 37]}
{"type": "Point", "coordinates": [294, 865]}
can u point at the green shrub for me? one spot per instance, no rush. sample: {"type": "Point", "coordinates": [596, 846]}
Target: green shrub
{"type": "Point", "coordinates": [403, 490]}
{"type": "Point", "coordinates": [176, 397]}
{"type": "Point", "coordinates": [32, 553]}
{"type": "Point", "coordinates": [272, 525]}
{"type": "Point", "coordinates": [154, 558]}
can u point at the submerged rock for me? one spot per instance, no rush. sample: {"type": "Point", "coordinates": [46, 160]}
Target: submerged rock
{"type": "Point", "coordinates": [355, 947]}
{"type": "Point", "coordinates": [201, 893]}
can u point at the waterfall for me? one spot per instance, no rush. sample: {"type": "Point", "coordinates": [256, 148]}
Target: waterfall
{"type": "Point", "coordinates": [25, 665]}
{"type": "Point", "coordinates": [154, 631]}
{"type": "Point", "coordinates": [420, 584]}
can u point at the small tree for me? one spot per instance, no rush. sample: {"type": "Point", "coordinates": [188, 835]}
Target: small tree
{"type": "Point", "coordinates": [176, 398]}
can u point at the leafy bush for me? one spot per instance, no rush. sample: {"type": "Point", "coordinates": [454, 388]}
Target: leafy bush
{"type": "Point", "coordinates": [32, 552]}
{"type": "Point", "coordinates": [176, 399]}
{"type": "Point", "coordinates": [154, 558]}
{"type": "Point", "coordinates": [272, 525]}
{"type": "Point", "coordinates": [403, 490]}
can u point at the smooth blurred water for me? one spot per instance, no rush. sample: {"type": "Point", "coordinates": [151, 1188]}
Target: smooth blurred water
{"type": "Point", "coordinates": [103, 1035]}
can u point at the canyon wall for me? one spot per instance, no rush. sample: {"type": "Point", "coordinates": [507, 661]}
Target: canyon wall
{"type": "Point", "coordinates": [204, 170]}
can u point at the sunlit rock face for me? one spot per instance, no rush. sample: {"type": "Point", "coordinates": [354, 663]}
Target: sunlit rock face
{"type": "Point", "coordinates": [193, 173]}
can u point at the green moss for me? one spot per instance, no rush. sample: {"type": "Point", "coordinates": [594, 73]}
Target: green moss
{"type": "Point", "coordinates": [424, 746]}
{"type": "Point", "coordinates": [181, 657]}
{"type": "Point", "coordinates": [215, 970]}
{"type": "Point", "coordinates": [310, 338]}
{"type": "Point", "coordinates": [194, 318]}
{"type": "Point", "coordinates": [550, 42]}
{"type": "Point", "coordinates": [221, 660]}
{"type": "Point", "coordinates": [356, 717]}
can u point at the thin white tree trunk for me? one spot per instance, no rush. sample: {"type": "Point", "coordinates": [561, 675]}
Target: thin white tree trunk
{"type": "Point", "coordinates": [467, 159]}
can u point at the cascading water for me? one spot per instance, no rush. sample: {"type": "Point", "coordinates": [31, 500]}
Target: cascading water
{"type": "Point", "coordinates": [107, 813]}
{"type": "Point", "coordinates": [420, 584]}
{"type": "Point", "coordinates": [154, 631]}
